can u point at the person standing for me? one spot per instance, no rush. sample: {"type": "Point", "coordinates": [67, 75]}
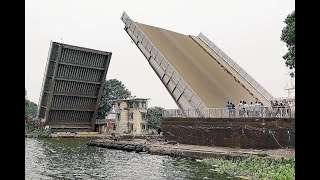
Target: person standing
{"type": "Point", "coordinates": [239, 108]}
{"type": "Point", "coordinates": [251, 109]}
{"type": "Point", "coordinates": [229, 107]}
{"type": "Point", "coordinates": [257, 109]}
{"type": "Point", "coordinates": [232, 110]}
{"type": "Point", "coordinates": [246, 109]}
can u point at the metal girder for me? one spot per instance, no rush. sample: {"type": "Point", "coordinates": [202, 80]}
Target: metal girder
{"type": "Point", "coordinates": [72, 87]}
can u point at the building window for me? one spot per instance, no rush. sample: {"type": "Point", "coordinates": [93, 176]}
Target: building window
{"type": "Point", "coordinates": [144, 116]}
{"type": "Point", "coordinates": [137, 104]}
{"type": "Point", "coordinates": [131, 127]}
{"type": "Point", "coordinates": [143, 126]}
{"type": "Point", "coordinates": [143, 104]}
{"type": "Point", "coordinates": [130, 105]}
{"type": "Point", "coordinates": [118, 116]}
{"type": "Point", "coordinates": [131, 116]}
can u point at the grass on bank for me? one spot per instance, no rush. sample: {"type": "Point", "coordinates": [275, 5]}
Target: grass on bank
{"type": "Point", "coordinates": [37, 131]}
{"type": "Point", "coordinates": [255, 168]}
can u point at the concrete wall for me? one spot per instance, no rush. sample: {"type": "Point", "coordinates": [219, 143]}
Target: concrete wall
{"type": "Point", "coordinates": [122, 123]}
{"type": "Point", "coordinates": [255, 133]}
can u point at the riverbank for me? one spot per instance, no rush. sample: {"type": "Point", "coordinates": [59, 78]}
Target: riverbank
{"type": "Point", "coordinates": [254, 167]}
{"type": "Point", "coordinates": [161, 147]}
{"type": "Point", "coordinates": [67, 135]}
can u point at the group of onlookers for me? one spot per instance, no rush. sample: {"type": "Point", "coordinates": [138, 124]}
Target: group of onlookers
{"type": "Point", "coordinates": [245, 110]}
{"type": "Point", "coordinates": [279, 104]}
{"type": "Point", "coordinates": [277, 109]}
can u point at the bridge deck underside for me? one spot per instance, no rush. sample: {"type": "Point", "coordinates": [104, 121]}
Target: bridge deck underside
{"type": "Point", "coordinates": [73, 83]}
{"type": "Point", "coordinates": [211, 82]}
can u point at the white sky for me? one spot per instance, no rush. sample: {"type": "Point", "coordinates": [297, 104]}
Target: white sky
{"type": "Point", "coordinates": [248, 31]}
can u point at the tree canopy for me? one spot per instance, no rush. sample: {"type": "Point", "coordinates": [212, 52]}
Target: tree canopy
{"type": "Point", "coordinates": [114, 89]}
{"type": "Point", "coordinates": [154, 115]}
{"type": "Point", "coordinates": [288, 36]}
{"type": "Point", "coordinates": [30, 108]}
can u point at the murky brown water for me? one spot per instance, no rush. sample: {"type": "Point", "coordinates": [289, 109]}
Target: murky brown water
{"type": "Point", "coordinates": [72, 159]}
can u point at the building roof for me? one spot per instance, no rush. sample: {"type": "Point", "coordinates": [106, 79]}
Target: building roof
{"type": "Point", "coordinates": [111, 116]}
{"type": "Point", "coordinates": [132, 99]}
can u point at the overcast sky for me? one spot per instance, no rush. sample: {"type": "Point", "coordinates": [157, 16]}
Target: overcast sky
{"type": "Point", "coordinates": [248, 31]}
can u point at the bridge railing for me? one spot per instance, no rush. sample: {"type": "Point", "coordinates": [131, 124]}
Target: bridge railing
{"type": "Point", "coordinates": [262, 112]}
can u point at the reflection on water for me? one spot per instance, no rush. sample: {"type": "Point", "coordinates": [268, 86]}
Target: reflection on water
{"type": "Point", "coordinates": [72, 159]}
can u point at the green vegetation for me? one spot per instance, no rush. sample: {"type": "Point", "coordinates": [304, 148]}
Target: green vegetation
{"type": "Point", "coordinates": [288, 36]}
{"type": "Point", "coordinates": [33, 127]}
{"type": "Point", "coordinates": [154, 115]}
{"type": "Point", "coordinates": [30, 108]}
{"type": "Point", "coordinates": [32, 130]}
{"type": "Point", "coordinates": [114, 89]}
{"type": "Point", "coordinates": [255, 168]}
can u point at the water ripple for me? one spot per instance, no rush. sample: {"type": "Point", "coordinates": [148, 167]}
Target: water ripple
{"type": "Point", "coordinates": [72, 159]}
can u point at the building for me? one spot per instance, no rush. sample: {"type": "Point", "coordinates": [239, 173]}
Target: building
{"type": "Point", "coordinates": [131, 116]}
{"type": "Point", "coordinates": [107, 125]}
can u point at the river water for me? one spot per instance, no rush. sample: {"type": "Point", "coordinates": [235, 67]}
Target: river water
{"type": "Point", "coordinates": [69, 158]}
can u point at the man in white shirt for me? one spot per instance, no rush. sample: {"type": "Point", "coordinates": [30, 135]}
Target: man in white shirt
{"type": "Point", "coordinates": [251, 109]}
{"type": "Point", "coordinates": [257, 108]}
{"type": "Point", "coordinates": [246, 108]}
{"type": "Point", "coordinates": [239, 108]}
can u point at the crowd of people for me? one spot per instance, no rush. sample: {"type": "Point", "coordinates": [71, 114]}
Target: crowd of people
{"type": "Point", "coordinates": [277, 109]}
{"type": "Point", "coordinates": [280, 104]}
{"type": "Point", "coordinates": [245, 110]}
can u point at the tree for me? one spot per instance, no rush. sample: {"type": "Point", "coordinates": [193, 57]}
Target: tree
{"type": "Point", "coordinates": [154, 115]}
{"type": "Point", "coordinates": [114, 89]}
{"type": "Point", "coordinates": [30, 108]}
{"type": "Point", "coordinates": [288, 36]}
